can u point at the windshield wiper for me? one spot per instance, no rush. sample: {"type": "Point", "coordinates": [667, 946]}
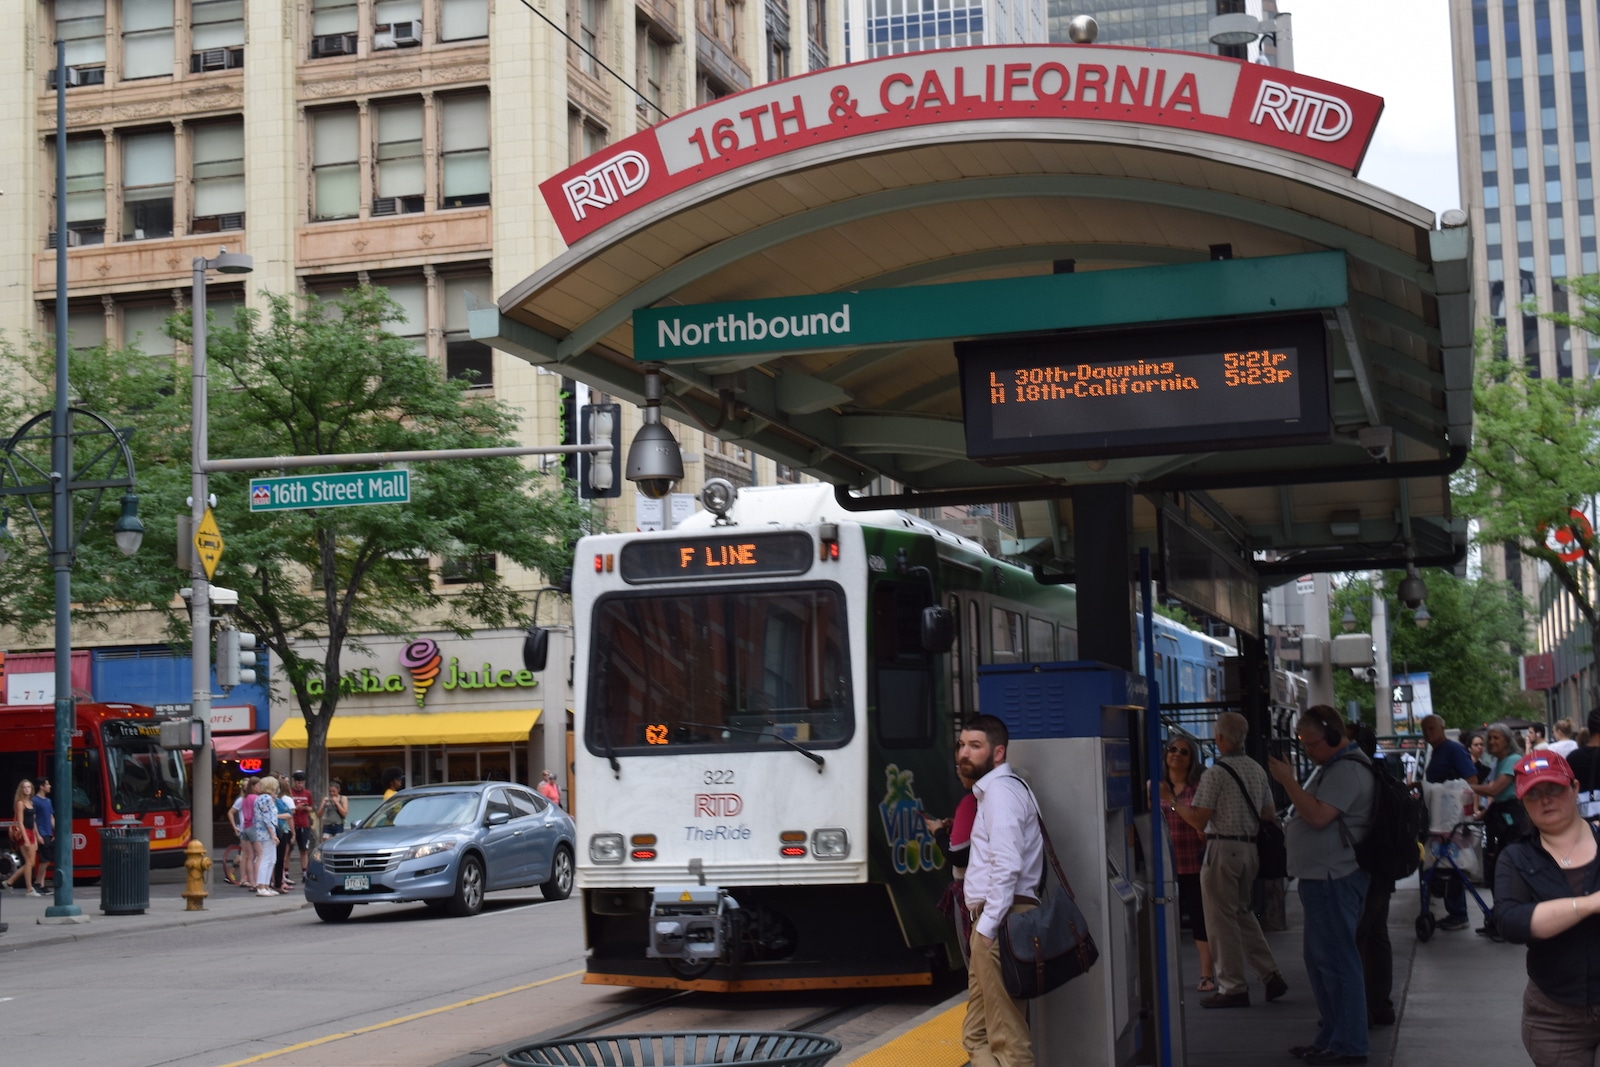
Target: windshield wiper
{"type": "Point", "coordinates": [611, 753]}
{"type": "Point", "coordinates": [806, 752]}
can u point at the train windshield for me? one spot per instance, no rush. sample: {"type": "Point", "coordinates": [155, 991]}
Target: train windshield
{"type": "Point", "coordinates": [144, 777]}
{"type": "Point", "coordinates": [730, 669]}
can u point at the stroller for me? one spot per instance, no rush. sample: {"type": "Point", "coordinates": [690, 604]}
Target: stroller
{"type": "Point", "coordinates": [1452, 848]}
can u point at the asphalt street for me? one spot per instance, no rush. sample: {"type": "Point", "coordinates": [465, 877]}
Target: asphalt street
{"type": "Point", "coordinates": [223, 992]}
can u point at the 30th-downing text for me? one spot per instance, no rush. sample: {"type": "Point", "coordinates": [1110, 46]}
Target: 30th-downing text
{"type": "Point", "coordinates": [1088, 381]}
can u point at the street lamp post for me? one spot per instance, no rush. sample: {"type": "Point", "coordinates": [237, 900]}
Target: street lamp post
{"type": "Point", "coordinates": [199, 500]}
{"type": "Point", "coordinates": [106, 464]}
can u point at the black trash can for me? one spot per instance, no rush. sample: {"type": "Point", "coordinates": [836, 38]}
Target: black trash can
{"type": "Point", "coordinates": [775, 1048]}
{"type": "Point", "coordinates": [124, 869]}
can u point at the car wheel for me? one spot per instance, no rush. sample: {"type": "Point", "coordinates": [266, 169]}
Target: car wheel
{"type": "Point", "coordinates": [334, 913]}
{"type": "Point", "coordinates": [559, 887]}
{"type": "Point", "coordinates": [469, 888]}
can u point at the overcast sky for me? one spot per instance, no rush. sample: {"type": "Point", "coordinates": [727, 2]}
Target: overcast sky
{"type": "Point", "coordinates": [1399, 50]}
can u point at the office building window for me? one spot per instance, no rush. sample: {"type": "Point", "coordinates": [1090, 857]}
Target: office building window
{"type": "Point", "coordinates": [333, 16]}
{"type": "Point", "coordinates": [148, 175]}
{"type": "Point", "coordinates": [86, 326]}
{"type": "Point", "coordinates": [218, 153]}
{"type": "Point", "coordinates": [464, 122]}
{"type": "Point", "coordinates": [146, 39]}
{"type": "Point", "coordinates": [400, 183]}
{"type": "Point", "coordinates": [591, 15]}
{"type": "Point", "coordinates": [412, 323]}
{"type": "Point", "coordinates": [653, 70]}
{"type": "Point", "coordinates": [389, 12]}
{"type": "Point", "coordinates": [144, 327]}
{"type": "Point", "coordinates": [86, 191]}
{"type": "Point", "coordinates": [216, 24]}
{"type": "Point", "coordinates": [462, 20]}
{"type": "Point", "coordinates": [335, 164]}
{"type": "Point", "coordinates": [82, 25]}
{"type": "Point", "coordinates": [585, 137]}
{"type": "Point", "coordinates": [465, 358]}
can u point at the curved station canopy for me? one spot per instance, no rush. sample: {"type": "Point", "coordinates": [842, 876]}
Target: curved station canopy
{"type": "Point", "coordinates": [999, 273]}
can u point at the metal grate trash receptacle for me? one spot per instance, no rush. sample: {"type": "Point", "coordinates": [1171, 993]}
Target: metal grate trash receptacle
{"type": "Point", "coordinates": [775, 1048]}
{"type": "Point", "coordinates": [124, 869]}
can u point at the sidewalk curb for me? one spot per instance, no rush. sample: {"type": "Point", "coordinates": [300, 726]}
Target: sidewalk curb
{"type": "Point", "coordinates": [856, 1054]}
{"type": "Point", "coordinates": [93, 929]}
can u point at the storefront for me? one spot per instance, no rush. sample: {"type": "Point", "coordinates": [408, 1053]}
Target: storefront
{"type": "Point", "coordinates": [443, 709]}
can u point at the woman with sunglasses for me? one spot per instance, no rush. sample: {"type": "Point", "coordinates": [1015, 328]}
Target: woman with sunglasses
{"type": "Point", "coordinates": [1547, 896]}
{"type": "Point", "coordinates": [1188, 845]}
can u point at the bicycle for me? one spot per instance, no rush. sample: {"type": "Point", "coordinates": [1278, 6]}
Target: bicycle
{"type": "Point", "coordinates": [231, 862]}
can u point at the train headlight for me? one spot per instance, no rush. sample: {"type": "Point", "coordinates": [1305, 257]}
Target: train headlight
{"type": "Point", "coordinates": [830, 844]}
{"type": "Point", "coordinates": [605, 848]}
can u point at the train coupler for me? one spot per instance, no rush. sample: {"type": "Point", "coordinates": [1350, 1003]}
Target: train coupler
{"type": "Point", "coordinates": [692, 923]}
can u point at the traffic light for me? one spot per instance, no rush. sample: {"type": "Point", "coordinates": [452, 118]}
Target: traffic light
{"type": "Point", "coordinates": [600, 473]}
{"type": "Point", "coordinates": [237, 658]}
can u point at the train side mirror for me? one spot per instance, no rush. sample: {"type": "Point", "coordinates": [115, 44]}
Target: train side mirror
{"type": "Point", "coordinates": [938, 630]}
{"type": "Point", "coordinates": [536, 648]}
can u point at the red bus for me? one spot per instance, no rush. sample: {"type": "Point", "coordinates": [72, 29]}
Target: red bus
{"type": "Point", "coordinates": [119, 771]}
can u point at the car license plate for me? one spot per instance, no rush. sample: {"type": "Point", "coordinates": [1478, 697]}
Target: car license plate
{"type": "Point", "coordinates": [357, 883]}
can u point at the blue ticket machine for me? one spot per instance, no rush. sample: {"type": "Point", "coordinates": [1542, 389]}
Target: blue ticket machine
{"type": "Point", "coordinates": [1075, 739]}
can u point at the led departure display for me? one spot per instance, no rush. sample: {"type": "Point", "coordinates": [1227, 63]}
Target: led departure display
{"type": "Point", "coordinates": [743, 555]}
{"type": "Point", "coordinates": [1241, 384]}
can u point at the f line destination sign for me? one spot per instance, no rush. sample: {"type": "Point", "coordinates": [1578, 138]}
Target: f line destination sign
{"type": "Point", "coordinates": [330, 490]}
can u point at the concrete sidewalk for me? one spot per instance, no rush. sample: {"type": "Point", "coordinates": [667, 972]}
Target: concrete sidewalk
{"type": "Point", "coordinates": [27, 927]}
{"type": "Point", "coordinates": [1457, 998]}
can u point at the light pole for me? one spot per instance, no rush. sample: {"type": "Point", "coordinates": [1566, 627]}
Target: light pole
{"type": "Point", "coordinates": [1247, 29]}
{"type": "Point", "coordinates": [30, 471]}
{"type": "Point", "coordinates": [199, 502]}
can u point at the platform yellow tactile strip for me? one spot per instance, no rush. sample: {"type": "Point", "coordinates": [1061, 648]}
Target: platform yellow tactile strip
{"type": "Point", "coordinates": [935, 1043]}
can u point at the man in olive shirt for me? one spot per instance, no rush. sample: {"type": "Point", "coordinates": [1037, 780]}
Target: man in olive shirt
{"type": "Point", "coordinates": [1332, 812]}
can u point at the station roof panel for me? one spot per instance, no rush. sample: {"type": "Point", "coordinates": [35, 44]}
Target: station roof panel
{"type": "Point", "coordinates": [1011, 188]}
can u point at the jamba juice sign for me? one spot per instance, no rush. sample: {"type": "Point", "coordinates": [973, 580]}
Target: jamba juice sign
{"type": "Point", "coordinates": [425, 666]}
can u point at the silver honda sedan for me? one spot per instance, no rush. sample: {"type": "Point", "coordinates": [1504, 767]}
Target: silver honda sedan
{"type": "Point", "coordinates": [445, 845]}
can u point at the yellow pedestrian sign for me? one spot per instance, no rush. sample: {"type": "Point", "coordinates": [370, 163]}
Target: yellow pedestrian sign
{"type": "Point", "coordinates": [208, 542]}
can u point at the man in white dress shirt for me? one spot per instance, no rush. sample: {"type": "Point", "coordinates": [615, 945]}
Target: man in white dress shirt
{"type": "Point", "coordinates": [1003, 875]}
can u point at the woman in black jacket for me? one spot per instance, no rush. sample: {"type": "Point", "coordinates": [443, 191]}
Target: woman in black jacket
{"type": "Point", "coordinates": [1547, 896]}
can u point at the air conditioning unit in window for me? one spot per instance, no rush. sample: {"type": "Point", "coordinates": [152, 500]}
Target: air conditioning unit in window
{"type": "Point", "coordinates": [217, 223]}
{"type": "Point", "coordinates": [333, 44]}
{"type": "Point", "coordinates": [74, 239]}
{"type": "Point", "coordinates": [385, 205]}
{"type": "Point", "coordinates": [406, 34]}
{"type": "Point", "coordinates": [216, 59]}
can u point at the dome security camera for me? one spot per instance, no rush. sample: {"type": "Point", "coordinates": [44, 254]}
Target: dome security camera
{"type": "Point", "coordinates": [655, 463]}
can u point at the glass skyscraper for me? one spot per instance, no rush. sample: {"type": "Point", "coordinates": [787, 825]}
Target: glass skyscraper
{"type": "Point", "coordinates": [1180, 25]}
{"type": "Point", "coordinates": [875, 28]}
{"type": "Point", "coordinates": [1524, 131]}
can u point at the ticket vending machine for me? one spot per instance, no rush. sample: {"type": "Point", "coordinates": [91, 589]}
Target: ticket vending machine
{"type": "Point", "coordinates": [1075, 738]}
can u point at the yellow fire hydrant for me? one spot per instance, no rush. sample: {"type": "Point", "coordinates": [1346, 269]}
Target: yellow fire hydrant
{"type": "Point", "coordinates": [197, 863]}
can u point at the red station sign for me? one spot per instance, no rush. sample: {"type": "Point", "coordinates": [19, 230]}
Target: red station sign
{"type": "Point", "coordinates": [1023, 85]}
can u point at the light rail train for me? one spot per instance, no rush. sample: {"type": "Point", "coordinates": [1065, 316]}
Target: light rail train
{"type": "Point", "coordinates": [766, 707]}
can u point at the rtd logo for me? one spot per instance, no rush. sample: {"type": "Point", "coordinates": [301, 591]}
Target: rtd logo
{"type": "Point", "coordinates": [605, 183]}
{"type": "Point", "coordinates": [1297, 111]}
{"type": "Point", "coordinates": [717, 805]}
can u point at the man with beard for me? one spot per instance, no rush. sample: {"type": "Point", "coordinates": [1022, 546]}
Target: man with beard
{"type": "Point", "coordinates": [1003, 875]}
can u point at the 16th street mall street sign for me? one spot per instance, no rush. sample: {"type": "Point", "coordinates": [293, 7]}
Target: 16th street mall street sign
{"type": "Point", "coordinates": [330, 490]}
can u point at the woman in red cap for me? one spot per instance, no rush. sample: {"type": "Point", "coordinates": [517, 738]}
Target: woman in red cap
{"type": "Point", "coordinates": [1547, 896]}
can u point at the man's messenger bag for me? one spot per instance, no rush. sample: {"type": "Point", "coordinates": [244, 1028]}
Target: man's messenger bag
{"type": "Point", "coordinates": [1049, 946]}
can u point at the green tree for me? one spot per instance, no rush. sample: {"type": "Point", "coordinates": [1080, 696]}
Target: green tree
{"type": "Point", "coordinates": [1466, 648]}
{"type": "Point", "coordinates": [1536, 458]}
{"type": "Point", "coordinates": [325, 378]}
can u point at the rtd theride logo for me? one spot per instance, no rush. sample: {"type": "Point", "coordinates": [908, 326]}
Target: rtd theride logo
{"type": "Point", "coordinates": [717, 805]}
{"type": "Point", "coordinates": [1297, 111]}
{"type": "Point", "coordinates": [605, 183]}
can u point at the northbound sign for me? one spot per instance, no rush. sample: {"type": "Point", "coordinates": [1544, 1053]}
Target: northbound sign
{"type": "Point", "coordinates": [330, 490]}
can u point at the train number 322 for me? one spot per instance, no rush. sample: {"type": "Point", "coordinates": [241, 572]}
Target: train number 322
{"type": "Point", "coordinates": [719, 778]}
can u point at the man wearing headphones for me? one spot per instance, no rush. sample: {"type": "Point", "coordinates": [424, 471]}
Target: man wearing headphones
{"type": "Point", "coordinates": [1332, 811]}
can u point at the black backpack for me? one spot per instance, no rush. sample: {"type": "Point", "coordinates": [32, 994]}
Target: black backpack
{"type": "Point", "coordinates": [1389, 851]}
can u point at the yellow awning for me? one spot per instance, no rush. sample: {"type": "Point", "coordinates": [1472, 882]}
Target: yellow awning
{"type": "Point", "coordinates": [421, 728]}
